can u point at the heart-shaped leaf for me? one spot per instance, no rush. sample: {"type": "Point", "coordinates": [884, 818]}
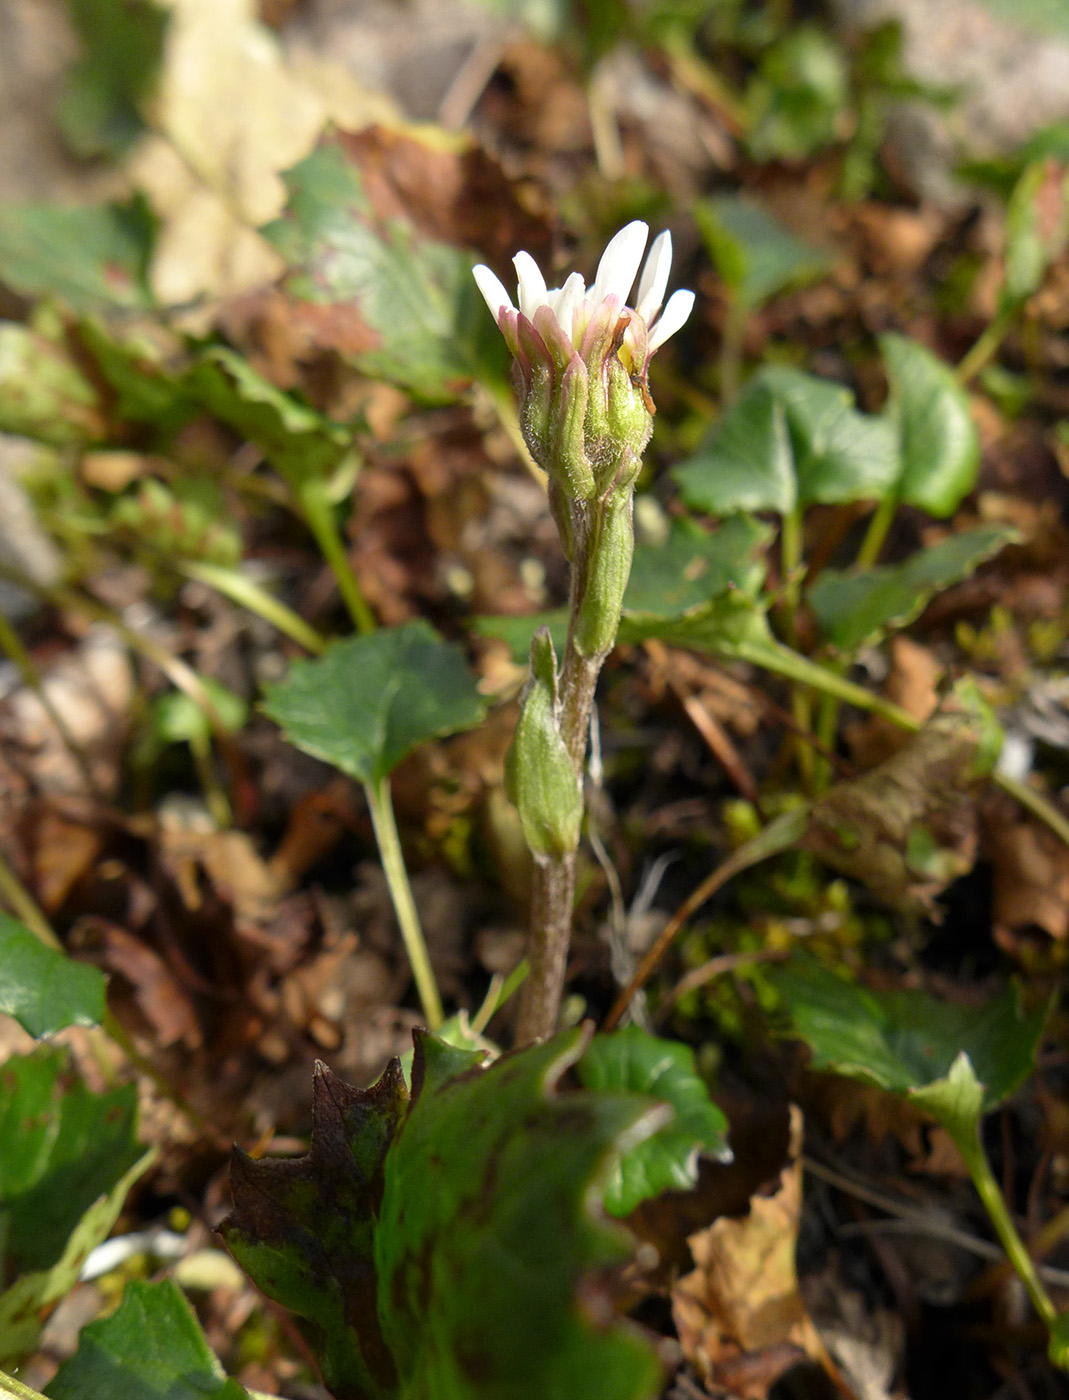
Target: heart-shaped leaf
{"type": "Point", "coordinates": [631, 1060]}
{"type": "Point", "coordinates": [435, 1242]}
{"type": "Point", "coordinates": [367, 702]}
{"type": "Point", "coordinates": [790, 441]}
{"type": "Point", "coordinates": [43, 988]}
{"type": "Point", "coordinates": [856, 607]}
{"type": "Point", "coordinates": [150, 1348]}
{"type": "Point", "coordinates": [939, 447]}
{"type": "Point", "coordinates": [908, 1040]}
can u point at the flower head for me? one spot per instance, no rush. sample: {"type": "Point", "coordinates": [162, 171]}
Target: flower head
{"type": "Point", "coordinates": [582, 356]}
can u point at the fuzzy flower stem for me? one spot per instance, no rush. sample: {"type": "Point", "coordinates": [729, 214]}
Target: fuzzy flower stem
{"type": "Point", "coordinates": [580, 362]}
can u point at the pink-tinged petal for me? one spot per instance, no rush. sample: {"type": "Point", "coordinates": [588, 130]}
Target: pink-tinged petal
{"type": "Point", "coordinates": [672, 317]}
{"type": "Point", "coordinates": [599, 332]}
{"type": "Point", "coordinates": [532, 288]}
{"type": "Point", "coordinates": [493, 290]}
{"type": "Point", "coordinates": [506, 322]}
{"type": "Point", "coordinates": [619, 262]}
{"type": "Point", "coordinates": [654, 279]}
{"type": "Point", "coordinates": [558, 342]}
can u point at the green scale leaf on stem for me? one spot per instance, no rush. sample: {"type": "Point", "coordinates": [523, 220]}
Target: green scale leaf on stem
{"type": "Point", "coordinates": [438, 1243]}
{"type": "Point", "coordinates": [367, 702]}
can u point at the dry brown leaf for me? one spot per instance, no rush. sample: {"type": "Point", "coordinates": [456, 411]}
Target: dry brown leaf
{"type": "Point", "coordinates": [908, 828]}
{"type": "Point", "coordinates": [231, 112]}
{"type": "Point", "coordinates": [1031, 878]}
{"type": "Point", "coordinates": [743, 1300]}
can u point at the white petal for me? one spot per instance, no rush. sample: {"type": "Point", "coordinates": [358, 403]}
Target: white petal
{"type": "Point", "coordinates": [493, 289]}
{"type": "Point", "coordinates": [619, 263]}
{"type": "Point", "coordinates": [568, 298]}
{"type": "Point", "coordinates": [533, 293]}
{"type": "Point", "coordinates": [654, 277]}
{"type": "Point", "coordinates": [672, 317]}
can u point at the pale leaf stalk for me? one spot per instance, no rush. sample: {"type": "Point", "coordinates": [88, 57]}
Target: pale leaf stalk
{"type": "Point", "coordinates": [380, 804]}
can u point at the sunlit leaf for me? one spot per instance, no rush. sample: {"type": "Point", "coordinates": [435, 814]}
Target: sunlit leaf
{"type": "Point", "coordinates": [790, 441]}
{"type": "Point", "coordinates": [858, 606]}
{"type": "Point", "coordinates": [43, 988]}
{"type": "Point", "coordinates": [369, 701]}
{"type": "Point", "coordinates": [631, 1060]}
{"type": "Point", "coordinates": [938, 442]}
{"type": "Point", "coordinates": [906, 1040]}
{"type": "Point", "coordinates": [150, 1348]}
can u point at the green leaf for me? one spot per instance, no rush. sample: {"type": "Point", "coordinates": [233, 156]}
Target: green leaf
{"type": "Point", "coordinates": [67, 1159]}
{"type": "Point", "coordinates": [294, 438]}
{"type": "Point", "coordinates": [304, 1229]}
{"type": "Point", "coordinates": [695, 565]}
{"type": "Point", "coordinates": [367, 702]}
{"type": "Point", "coordinates": [436, 1243]}
{"type": "Point", "coordinates": [24, 1307]}
{"type": "Point", "coordinates": [99, 111]}
{"type": "Point", "coordinates": [633, 1061]}
{"type": "Point", "coordinates": [855, 607]}
{"type": "Point", "coordinates": [61, 1147]}
{"type": "Point", "coordinates": [150, 1348]}
{"type": "Point", "coordinates": [1037, 222]}
{"type": "Point", "coordinates": [43, 393]}
{"type": "Point", "coordinates": [753, 252]}
{"type": "Point", "coordinates": [790, 441]}
{"type": "Point", "coordinates": [43, 988]}
{"type": "Point", "coordinates": [518, 632]}
{"type": "Point", "coordinates": [939, 446]}
{"type": "Point", "coordinates": [907, 1040]}
{"type": "Point", "coordinates": [90, 258]}
{"type": "Point", "coordinates": [414, 313]}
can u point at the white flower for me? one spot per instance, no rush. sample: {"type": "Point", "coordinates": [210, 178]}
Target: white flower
{"type": "Point", "coordinates": [573, 313]}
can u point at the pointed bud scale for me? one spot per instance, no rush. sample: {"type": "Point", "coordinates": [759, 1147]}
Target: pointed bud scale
{"type": "Point", "coordinates": [540, 777]}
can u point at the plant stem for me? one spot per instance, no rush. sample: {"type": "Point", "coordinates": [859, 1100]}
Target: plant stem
{"type": "Point", "coordinates": [10, 1386]}
{"type": "Point", "coordinates": [318, 512]}
{"type": "Point", "coordinates": [967, 1140]}
{"type": "Point", "coordinates": [553, 879]}
{"type": "Point", "coordinates": [791, 548]}
{"type": "Point", "coordinates": [828, 717]}
{"type": "Point", "coordinates": [880, 522]}
{"type": "Point", "coordinates": [985, 347]}
{"type": "Point", "coordinates": [380, 804]}
{"type": "Point", "coordinates": [244, 591]}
